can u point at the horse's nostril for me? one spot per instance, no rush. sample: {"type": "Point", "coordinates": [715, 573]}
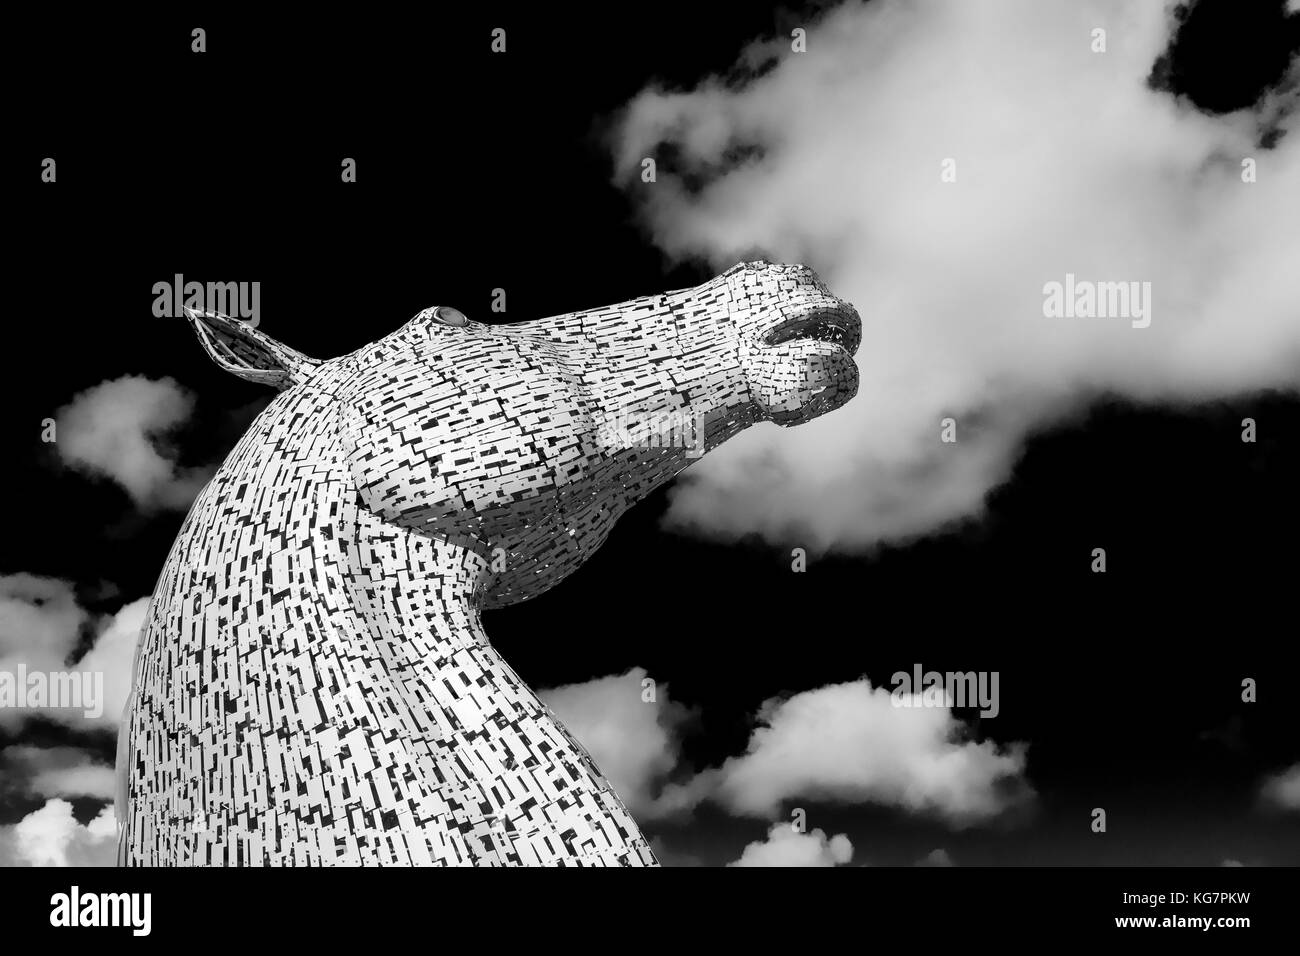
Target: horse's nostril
{"type": "Point", "coordinates": [449, 316]}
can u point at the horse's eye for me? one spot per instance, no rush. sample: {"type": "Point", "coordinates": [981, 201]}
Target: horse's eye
{"type": "Point", "coordinates": [449, 316]}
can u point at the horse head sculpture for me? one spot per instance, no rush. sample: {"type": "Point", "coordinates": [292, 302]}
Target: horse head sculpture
{"type": "Point", "coordinates": [313, 684]}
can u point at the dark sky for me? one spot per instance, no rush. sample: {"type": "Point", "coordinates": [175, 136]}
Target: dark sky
{"type": "Point", "coordinates": [478, 172]}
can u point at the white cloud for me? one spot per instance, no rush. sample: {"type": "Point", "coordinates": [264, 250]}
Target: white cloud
{"type": "Point", "coordinates": [39, 620]}
{"type": "Point", "coordinates": [113, 654]}
{"type": "Point", "coordinates": [785, 846]}
{"type": "Point", "coordinates": [86, 780]}
{"type": "Point", "coordinates": [633, 742]}
{"type": "Point", "coordinates": [40, 624]}
{"type": "Point", "coordinates": [848, 743]}
{"type": "Point", "coordinates": [56, 772]}
{"type": "Point", "coordinates": [1283, 790]}
{"type": "Point", "coordinates": [51, 836]}
{"type": "Point", "coordinates": [1066, 162]}
{"type": "Point", "coordinates": [111, 430]}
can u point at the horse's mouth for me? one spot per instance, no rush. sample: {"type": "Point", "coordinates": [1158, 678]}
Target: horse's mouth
{"type": "Point", "coordinates": [804, 364]}
{"type": "Point", "coordinates": [838, 325]}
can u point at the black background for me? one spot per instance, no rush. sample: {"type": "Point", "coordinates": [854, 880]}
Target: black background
{"type": "Point", "coordinates": [478, 171]}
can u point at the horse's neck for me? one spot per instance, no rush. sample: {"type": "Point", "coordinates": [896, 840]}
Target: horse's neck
{"type": "Point", "coordinates": [415, 594]}
{"type": "Point", "coordinates": [314, 686]}
{"type": "Point", "coordinates": [357, 586]}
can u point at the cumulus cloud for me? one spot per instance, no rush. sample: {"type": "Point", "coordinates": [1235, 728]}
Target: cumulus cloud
{"type": "Point", "coordinates": [113, 654]}
{"type": "Point", "coordinates": [633, 741]}
{"type": "Point", "coordinates": [849, 743]}
{"type": "Point", "coordinates": [785, 846]}
{"type": "Point", "coordinates": [56, 772]}
{"type": "Point", "coordinates": [1282, 790]}
{"type": "Point", "coordinates": [40, 627]}
{"type": "Point", "coordinates": [39, 621]}
{"type": "Point", "coordinates": [51, 836]}
{"type": "Point", "coordinates": [112, 430]}
{"type": "Point", "coordinates": [1066, 162]}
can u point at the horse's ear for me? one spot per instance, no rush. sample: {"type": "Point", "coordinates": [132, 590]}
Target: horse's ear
{"type": "Point", "coordinates": [242, 350]}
